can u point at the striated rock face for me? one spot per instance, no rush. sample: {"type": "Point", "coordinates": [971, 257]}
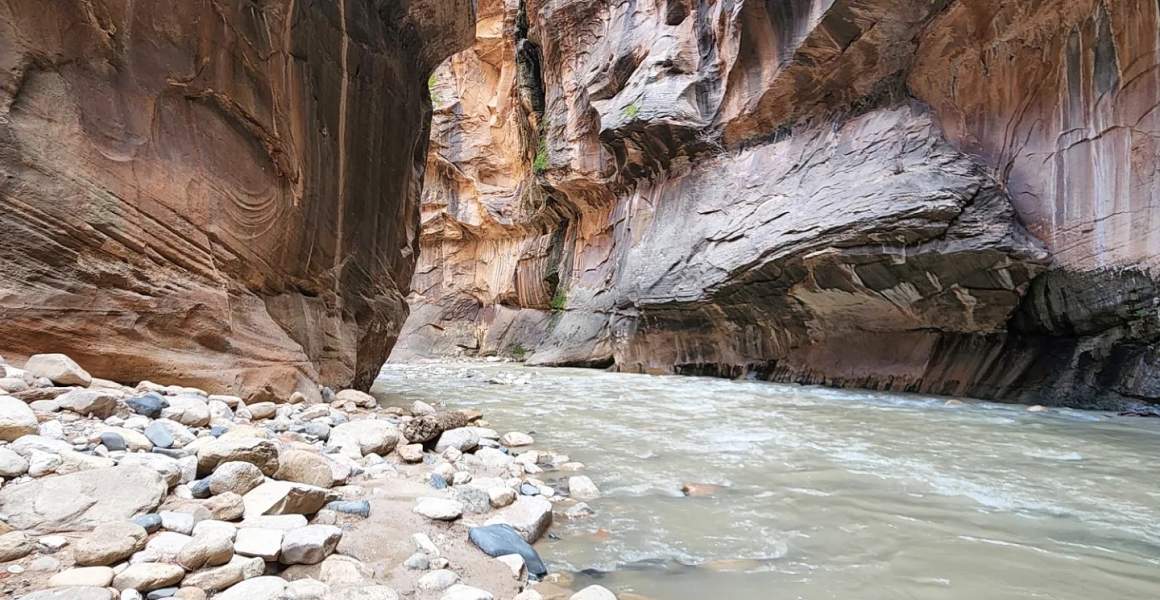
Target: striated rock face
{"type": "Point", "coordinates": [956, 197]}
{"type": "Point", "coordinates": [221, 193]}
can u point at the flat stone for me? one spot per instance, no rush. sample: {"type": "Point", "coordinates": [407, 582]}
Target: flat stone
{"type": "Point", "coordinates": [215, 579]}
{"type": "Point", "coordinates": [284, 498]}
{"type": "Point", "coordinates": [226, 506]}
{"type": "Point", "coordinates": [437, 581]}
{"type": "Point", "coordinates": [259, 452]}
{"type": "Point", "coordinates": [109, 543]}
{"type": "Point", "coordinates": [177, 522]}
{"type": "Point", "coordinates": [146, 577]}
{"type": "Point", "coordinates": [135, 441]}
{"type": "Point", "coordinates": [411, 453]}
{"type": "Point", "coordinates": [150, 404]}
{"type": "Point", "coordinates": [309, 545]}
{"type": "Point", "coordinates": [71, 593]}
{"type": "Point", "coordinates": [16, 419]}
{"type": "Point", "coordinates": [166, 545]}
{"type": "Point", "coordinates": [168, 468]}
{"type": "Point", "coordinates": [236, 476]}
{"type": "Point", "coordinates": [258, 588]}
{"type": "Point", "coordinates": [475, 500]}
{"type": "Point", "coordinates": [59, 369]}
{"type": "Point", "coordinates": [515, 563]}
{"type": "Point", "coordinates": [363, 592]}
{"type": "Point", "coordinates": [439, 509]}
{"type": "Point", "coordinates": [279, 522]}
{"type": "Point", "coordinates": [262, 543]}
{"type": "Point", "coordinates": [360, 399]}
{"type": "Point", "coordinates": [83, 577]}
{"type": "Point", "coordinates": [361, 508]}
{"type": "Point", "coordinates": [82, 500]}
{"type": "Point", "coordinates": [98, 403]}
{"type": "Point", "coordinates": [159, 435]}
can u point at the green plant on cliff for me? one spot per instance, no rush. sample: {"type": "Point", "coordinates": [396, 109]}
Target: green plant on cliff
{"type": "Point", "coordinates": [632, 110]}
{"type": "Point", "coordinates": [518, 351]}
{"type": "Point", "coordinates": [559, 300]}
{"type": "Point", "coordinates": [540, 163]}
{"type": "Point", "coordinates": [433, 81]}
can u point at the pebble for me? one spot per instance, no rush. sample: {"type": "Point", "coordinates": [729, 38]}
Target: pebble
{"type": "Point", "coordinates": [437, 581]}
{"type": "Point", "coordinates": [439, 509]}
{"type": "Point", "coordinates": [360, 508]}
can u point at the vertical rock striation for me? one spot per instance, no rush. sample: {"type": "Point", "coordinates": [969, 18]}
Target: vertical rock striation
{"type": "Point", "coordinates": [955, 196]}
{"type": "Point", "coordinates": [222, 193]}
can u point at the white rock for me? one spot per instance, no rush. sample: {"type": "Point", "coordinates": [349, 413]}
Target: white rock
{"type": "Point", "coordinates": [262, 410]}
{"type": "Point", "coordinates": [420, 408]}
{"type": "Point", "coordinates": [359, 438]}
{"type": "Point", "coordinates": [593, 592]}
{"type": "Point", "coordinates": [515, 439]}
{"type": "Point", "coordinates": [258, 588]}
{"type": "Point", "coordinates": [309, 545]}
{"type": "Point", "coordinates": [529, 515]}
{"type": "Point", "coordinates": [581, 487]}
{"type": "Point", "coordinates": [189, 410]}
{"type": "Point", "coordinates": [462, 439]}
{"type": "Point", "coordinates": [437, 581]}
{"type": "Point", "coordinates": [284, 498]}
{"type": "Point", "coordinates": [360, 399]}
{"type": "Point", "coordinates": [439, 509]}
{"type": "Point", "coordinates": [465, 592]}
{"type": "Point", "coordinates": [262, 543]}
{"type": "Point", "coordinates": [12, 464]}
{"type": "Point", "coordinates": [83, 576]}
{"type": "Point", "coordinates": [178, 522]}
{"type": "Point", "coordinates": [59, 369]}
{"type": "Point", "coordinates": [515, 563]}
{"type": "Point", "coordinates": [16, 419]}
{"type": "Point", "coordinates": [501, 496]}
{"type": "Point", "coordinates": [146, 577]}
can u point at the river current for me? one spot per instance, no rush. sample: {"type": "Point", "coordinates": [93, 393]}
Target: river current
{"type": "Point", "coordinates": [826, 494]}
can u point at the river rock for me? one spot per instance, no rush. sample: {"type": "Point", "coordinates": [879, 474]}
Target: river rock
{"type": "Point", "coordinates": [581, 487]}
{"type": "Point", "coordinates": [259, 542]}
{"type": "Point", "coordinates": [71, 593]}
{"type": "Point", "coordinates": [499, 540]}
{"type": "Point", "coordinates": [15, 545]}
{"type": "Point", "coordinates": [149, 405]}
{"type": "Point", "coordinates": [215, 579]}
{"type": "Point", "coordinates": [258, 452]}
{"type": "Point", "coordinates": [516, 439]}
{"type": "Point", "coordinates": [529, 515]}
{"type": "Point", "coordinates": [58, 368]}
{"type": "Point", "coordinates": [501, 496]}
{"type": "Point", "coordinates": [309, 545]}
{"type": "Point", "coordinates": [439, 509]}
{"type": "Point", "coordinates": [420, 408]}
{"type": "Point", "coordinates": [109, 543]}
{"type": "Point", "coordinates": [465, 592]}
{"type": "Point", "coordinates": [258, 588]}
{"type": "Point", "coordinates": [168, 468]}
{"type": "Point", "coordinates": [80, 501]}
{"type": "Point", "coordinates": [237, 477]}
{"type": "Point", "coordinates": [11, 463]}
{"type": "Point", "coordinates": [97, 403]}
{"type": "Point", "coordinates": [135, 441]}
{"type": "Point", "coordinates": [284, 497]}
{"type": "Point", "coordinates": [206, 550]}
{"type": "Point", "coordinates": [360, 399]}
{"type": "Point", "coordinates": [262, 410]}
{"type": "Point", "coordinates": [304, 467]}
{"type": "Point", "coordinates": [462, 439]}
{"type": "Point", "coordinates": [226, 506]}
{"type": "Point", "coordinates": [438, 580]}
{"type": "Point", "coordinates": [16, 419]}
{"type": "Point", "coordinates": [146, 577]}
{"type": "Point", "coordinates": [191, 411]}
{"type": "Point", "coordinates": [359, 438]}
{"type": "Point", "coordinates": [593, 592]}
{"type": "Point", "coordinates": [475, 500]}
{"type": "Point", "coordinates": [83, 577]}
{"type": "Point", "coordinates": [411, 453]}
{"type": "Point", "coordinates": [425, 428]}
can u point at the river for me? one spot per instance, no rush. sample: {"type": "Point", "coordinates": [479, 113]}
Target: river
{"type": "Point", "coordinates": [827, 494]}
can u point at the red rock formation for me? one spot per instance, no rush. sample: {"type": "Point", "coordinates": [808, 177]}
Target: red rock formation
{"type": "Point", "coordinates": [221, 192]}
{"type": "Point", "coordinates": [824, 191]}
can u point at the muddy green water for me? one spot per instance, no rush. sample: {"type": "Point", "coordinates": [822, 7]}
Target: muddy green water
{"type": "Point", "coordinates": [829, 494]}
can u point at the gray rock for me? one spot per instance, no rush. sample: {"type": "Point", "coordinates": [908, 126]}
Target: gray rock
{"type": "Point", "coordinates": [258, 588]}
{"type": "Point", "coordinates": [15, 545]}
{"type": "Point", "coordinates": [462, 439]}
{"type": "Point", "coordinates": [98, 403]}
{"type": "Point", "coordinates": [359, 438]}
{"type": "Point", "coordinates": [149, 405]}
{"type": "Point", "coordinates": [499, 540]}
{"type": "Point", "coordinates": [475, 500]}
{"type": "Point", "coordinates": [438, 580]}
{"type": "Point", "coordinates": [439, 509]}
{"type": "Point", "coordinates": [256, 451]}
{"type": "Point", "coordinates": [151, 523]}
{"type": "Point", "coordinates": [146, 577]}
{"type": "Point", "coordinates": [530, 516]}
{"type": "Point", "coordinates": [189, 410]}
{"type": "Point", "coordinates": [70, 593]}
{"type": "Point", "coordinates": [12, 464]}
{"type": "Point", "coordinates": [285, 498]}
{"type": "Point", "coordinates": [236, 476]}
{"type": "Point", "coordinates": [109, 543]}
{"type": "Point", "coordinates": [361, 508]}
{"type": "Point", "coordinates": [80, 501]}
{"type": "Point", "coordinates": [159, 435]}
{"type": "Point", "coordinates": [309, 545]}
{"type": "Point", "coordinates": [113, 441]}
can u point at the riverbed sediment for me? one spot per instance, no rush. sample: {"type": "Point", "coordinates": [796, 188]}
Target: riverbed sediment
{"type": "Point", "coordinates": [151, 491]}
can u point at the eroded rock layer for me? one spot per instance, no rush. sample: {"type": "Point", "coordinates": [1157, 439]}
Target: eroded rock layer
{"type": "Point", "coordinates": [958, 197]}
{"type": "Point", "coordinates": [223, 193]}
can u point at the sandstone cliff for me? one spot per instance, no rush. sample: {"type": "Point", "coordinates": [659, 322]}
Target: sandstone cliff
{"type": "Point", "coordinates": [959, 196]}
{"type": "Point", "coordinates": [221, 193]}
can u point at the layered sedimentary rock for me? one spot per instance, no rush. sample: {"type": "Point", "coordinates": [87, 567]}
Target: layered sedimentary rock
{"type": "Point", "coordinates": [222, 193]}
{"type": "Point", "coordinates": [957, 197]}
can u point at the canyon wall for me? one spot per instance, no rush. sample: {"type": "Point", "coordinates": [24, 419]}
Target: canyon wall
{"type": "Point", "coordinates": [957, 197]}
{"type": "Point", "coordinates": [221, 193]}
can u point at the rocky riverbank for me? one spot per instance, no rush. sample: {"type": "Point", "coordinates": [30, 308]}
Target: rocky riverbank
{"type": "Point", "coordinates": [155, 491]}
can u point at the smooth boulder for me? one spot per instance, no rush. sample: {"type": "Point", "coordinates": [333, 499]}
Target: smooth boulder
{"type": "Point", "coordinates": [500, 540]}
{"type": "Point", "coordinates": [82, 500]}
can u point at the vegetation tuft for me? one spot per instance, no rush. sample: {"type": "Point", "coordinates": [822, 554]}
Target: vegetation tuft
{"type": "Point", "coordinates": [559, 300]}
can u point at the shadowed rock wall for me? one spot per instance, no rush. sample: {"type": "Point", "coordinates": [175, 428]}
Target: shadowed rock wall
{"type": "Point", "coordinates": [220, 193]}
{"type": "Point", "coordinates": [957, 196]}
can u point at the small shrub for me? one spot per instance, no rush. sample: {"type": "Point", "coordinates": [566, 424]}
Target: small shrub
{"type": "Point", "coordinates": [632, 110]}
{"type": "Point", "coordinates": [540, 164]}
{"type": "Point", "coordinates": [518, 352]}
{"type": "Point", "coordinates": [559, 300]}
{"type": "Point", "coordinates": [432, 82]}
